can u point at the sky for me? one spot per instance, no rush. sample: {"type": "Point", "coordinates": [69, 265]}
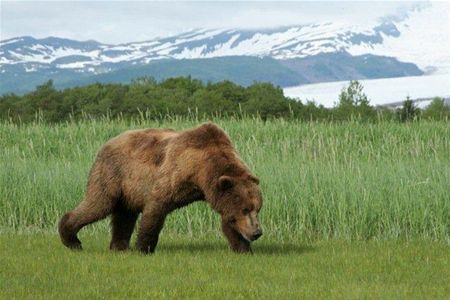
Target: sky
{"type": "Point", "coordinates": [120, 22]}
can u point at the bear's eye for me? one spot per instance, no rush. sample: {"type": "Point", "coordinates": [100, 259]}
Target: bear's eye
{"type": "Point", "coordinates": [246, 211]}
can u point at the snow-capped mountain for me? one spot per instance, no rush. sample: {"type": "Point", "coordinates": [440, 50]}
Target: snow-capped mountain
{"type": "Point", "coordinates": [295, 46]}
{"type": "Point", "coordinates": [279, 43]}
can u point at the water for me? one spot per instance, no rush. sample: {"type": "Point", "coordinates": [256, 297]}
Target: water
{"type": "Point", "coordinates": [379, 91]}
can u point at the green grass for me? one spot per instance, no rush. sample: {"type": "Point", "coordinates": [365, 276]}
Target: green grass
{"type": "Point", "coordinates": [350, 210]}
{"type": "Point", "coordinates": [37, 266]}
{"type": "Point", "coordinates": [320, 181]}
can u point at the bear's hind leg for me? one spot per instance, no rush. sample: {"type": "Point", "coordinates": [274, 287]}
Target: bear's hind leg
{"type": "Point", "coordinates": [68, 233]}
{"type": "Point", "coordinates": [89, 211]}
{"type": "Point", "coordinates": [122, 222]}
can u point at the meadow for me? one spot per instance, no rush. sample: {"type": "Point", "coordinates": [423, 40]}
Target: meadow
{"type": "Point", "coordinates": [350, 210]}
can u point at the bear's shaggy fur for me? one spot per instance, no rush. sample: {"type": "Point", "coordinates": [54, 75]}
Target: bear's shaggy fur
{"type": "Point", "coordinates": [155, 171]}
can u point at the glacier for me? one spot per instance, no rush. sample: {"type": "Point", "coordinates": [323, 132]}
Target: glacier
{"type": "Point", "coordinates": [379, 91]}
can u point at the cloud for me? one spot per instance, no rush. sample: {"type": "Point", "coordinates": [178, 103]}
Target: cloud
{"type": "Point", "coordinates": [116, 22]}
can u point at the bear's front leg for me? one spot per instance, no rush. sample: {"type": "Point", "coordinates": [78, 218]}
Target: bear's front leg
{"type": "Point", "coordinates": [237, 242]}
{"type": "Point", "coordinates": [151, 224]}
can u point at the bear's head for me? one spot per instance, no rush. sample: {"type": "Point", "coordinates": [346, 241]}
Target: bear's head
{"type": "Point", "coordinates": [241, 201]}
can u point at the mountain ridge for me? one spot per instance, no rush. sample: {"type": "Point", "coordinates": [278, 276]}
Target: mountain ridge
{"type": "Point", "coordinates": [307, 53]}
{"type": "Point", "coordinates": [280, 43]}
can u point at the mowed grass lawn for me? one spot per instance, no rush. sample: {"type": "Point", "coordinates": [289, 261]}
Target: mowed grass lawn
{"type": "Point", "coordinates": [37, 266]}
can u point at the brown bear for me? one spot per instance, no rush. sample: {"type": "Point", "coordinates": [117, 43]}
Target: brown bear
{"type": "Point", "coordinates": [155, 171]}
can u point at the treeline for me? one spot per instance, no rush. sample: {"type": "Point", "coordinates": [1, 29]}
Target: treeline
{"type": "Point", "coordinates": [186, 96]}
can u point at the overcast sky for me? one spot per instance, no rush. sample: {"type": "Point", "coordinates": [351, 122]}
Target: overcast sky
{"type": "Point", "coordinates": [119, 22]}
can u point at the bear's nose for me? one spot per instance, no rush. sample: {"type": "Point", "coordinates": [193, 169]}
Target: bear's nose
{"type": "Point", "coordinates": [257, 234]}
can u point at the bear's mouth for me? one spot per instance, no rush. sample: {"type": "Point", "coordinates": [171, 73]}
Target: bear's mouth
{"type": "Point", "coordinates": [244, 238]}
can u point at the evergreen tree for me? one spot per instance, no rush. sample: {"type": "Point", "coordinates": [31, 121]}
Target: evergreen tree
{"type": "Point", "coordinates": [353, 102]}
{"type": "Point", "coordinates": [408, 111]}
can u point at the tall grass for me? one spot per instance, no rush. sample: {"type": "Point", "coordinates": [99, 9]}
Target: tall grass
{"type": "Point", "coordinates": [319, 180]}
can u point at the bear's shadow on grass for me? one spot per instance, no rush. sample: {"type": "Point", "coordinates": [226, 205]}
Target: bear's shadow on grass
{"type": "Point", "coordinates": [278, 249]}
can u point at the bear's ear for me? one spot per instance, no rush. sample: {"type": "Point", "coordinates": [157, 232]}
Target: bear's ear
{"type": "Point", "coordinates": [225, 183]}
{"type": "Point", "coordinates": [254, 179]}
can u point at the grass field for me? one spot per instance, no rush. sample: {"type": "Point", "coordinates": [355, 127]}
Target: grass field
{"type": "Point", "coordinates": [351, 210]}
{"type": "Point", "coordinates": [37, 267]}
